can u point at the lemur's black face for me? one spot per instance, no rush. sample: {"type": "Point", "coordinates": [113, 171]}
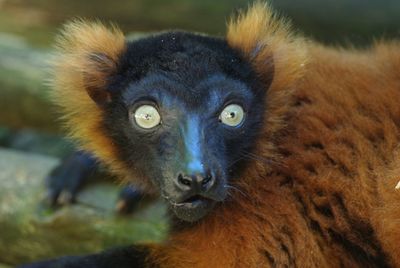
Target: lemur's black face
{"type": "Point", "coordinates": [188, 110]}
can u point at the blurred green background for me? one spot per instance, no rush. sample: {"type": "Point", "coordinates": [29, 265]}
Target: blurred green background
{"type": "Point", "coordinates": [31, 138]}
{"type": "Point", "coordinates": [326, 20]}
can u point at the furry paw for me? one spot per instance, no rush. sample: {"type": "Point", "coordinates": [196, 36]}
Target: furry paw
{"type": "Point", "coordinates": [65, 180]}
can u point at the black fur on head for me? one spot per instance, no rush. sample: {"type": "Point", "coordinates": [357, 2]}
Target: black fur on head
{"type": "Point", "coordinates": [191, 155]}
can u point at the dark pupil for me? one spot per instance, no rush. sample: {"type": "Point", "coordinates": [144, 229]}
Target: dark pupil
{"type": "Point", "coordinates": [232, 114]}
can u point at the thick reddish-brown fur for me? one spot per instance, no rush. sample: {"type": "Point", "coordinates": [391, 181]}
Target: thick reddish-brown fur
{"type": "Point", "coordinates": [320, 191]}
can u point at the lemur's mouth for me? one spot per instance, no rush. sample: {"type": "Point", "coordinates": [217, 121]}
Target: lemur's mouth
{"type": "Point", "coordinates": [196, 199]}
{"type": "Point", "coordinates": [194, 202]}
{"type": "Point", "coordinates": [193, 208]}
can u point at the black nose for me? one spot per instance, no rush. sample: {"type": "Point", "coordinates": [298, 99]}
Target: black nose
{"type": "Point", "coordinates": [198, 182]}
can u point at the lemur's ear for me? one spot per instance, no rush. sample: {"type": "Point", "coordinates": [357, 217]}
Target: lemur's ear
{"type": "Point", "coordinates": [87, 54]}
{"type": "Point", "coordinates": [268, 42]}
{"type": "Point", "coordinates": [279, 58]}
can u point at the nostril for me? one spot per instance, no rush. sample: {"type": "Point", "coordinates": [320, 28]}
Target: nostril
{"type": "Point", "coordinates": [184, 180]}
{"type": "Point", "coordinates": [207, 182]}
{"type": "Point", "coordinates": [206, 179]}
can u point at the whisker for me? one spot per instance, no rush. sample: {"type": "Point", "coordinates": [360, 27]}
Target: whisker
{"type": "Point", "coordinates": [235, 161]}
{"type": "Point", "coordinates": [261, 159]}
{"type": "Point", "coordinates": [237, 189]}
{"type": "Point", "coordinates": [258, 158]}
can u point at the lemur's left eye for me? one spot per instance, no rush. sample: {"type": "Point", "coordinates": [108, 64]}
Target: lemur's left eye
{"type": "Point", "coordinates": [147, 116]}
{"type": "Point", "coordinates": [232, 115]}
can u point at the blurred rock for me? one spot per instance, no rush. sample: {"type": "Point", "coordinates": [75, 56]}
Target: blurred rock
{"type": "Point", "coordinates": [32, 141]}
{"type": "Point", "coordinates": [24, 100]}
{"type": "Point", "coordinates": [5, 136]}
{"type": "Point", "coordinates": [30, 231]}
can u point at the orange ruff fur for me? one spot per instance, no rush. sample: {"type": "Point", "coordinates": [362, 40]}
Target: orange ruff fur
{"type": "Point", "coordinates": [325, 196]}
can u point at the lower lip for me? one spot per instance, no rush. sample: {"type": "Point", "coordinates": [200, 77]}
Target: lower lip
{"type": "Point", "coordinates": [193, 210]}
{"type": "Point", "coordinates": [195, 204]}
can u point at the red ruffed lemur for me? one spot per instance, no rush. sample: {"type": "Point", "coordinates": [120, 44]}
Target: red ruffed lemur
{"type": "Point", "coordinates": [270, 150]}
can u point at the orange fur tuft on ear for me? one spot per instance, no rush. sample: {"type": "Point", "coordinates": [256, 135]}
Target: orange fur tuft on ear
{"type": "Point", "coordinates": [86, 55]}
{"type": "Point", "coordinates": [270, 45]}
{"type": "Point", "coordinates": [267, 41]}
{"type": "Point", "coordinates": [91, 51]}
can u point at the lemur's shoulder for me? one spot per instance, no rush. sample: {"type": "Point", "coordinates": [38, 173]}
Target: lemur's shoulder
{"type": "Point", "coordinates": [339, 147]}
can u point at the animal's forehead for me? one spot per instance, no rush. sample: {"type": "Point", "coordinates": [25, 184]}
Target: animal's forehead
{"type": "Point", "coordinates": [209, 91]}
{"type": "Point", "coordinates": [188, 69]}
{"type": "Point", "coordinates": [184, 57]}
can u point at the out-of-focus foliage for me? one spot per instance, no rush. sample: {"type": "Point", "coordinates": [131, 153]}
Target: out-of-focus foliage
{"type": "Point", "coordinates": [335, 21]}
{"type": "Point", "coordinates": [23, 100]}
{"type": "Point", "coordinates": [344, 22]}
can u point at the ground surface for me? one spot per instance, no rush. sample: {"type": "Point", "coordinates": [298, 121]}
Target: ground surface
{"type": "Point", "coordinates": [30, 231]}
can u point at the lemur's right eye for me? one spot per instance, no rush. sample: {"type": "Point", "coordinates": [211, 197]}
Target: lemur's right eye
{"type": "Point", "coordinates": [232, 115]}
{"type": "Point", "coordinates": [147, 116]}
